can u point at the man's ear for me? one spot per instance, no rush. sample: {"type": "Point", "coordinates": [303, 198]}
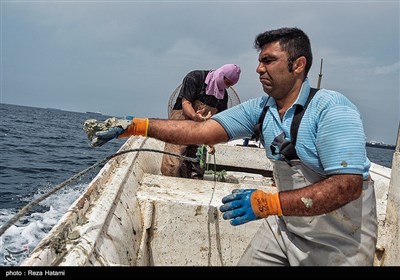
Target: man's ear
{"type": "Point", "coordinates": [299, 64]}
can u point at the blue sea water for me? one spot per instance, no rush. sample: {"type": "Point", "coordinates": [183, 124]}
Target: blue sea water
{"type": "Point", "coordinates": [41, 148]}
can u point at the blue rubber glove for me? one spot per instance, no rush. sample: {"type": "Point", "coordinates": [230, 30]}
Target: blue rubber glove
{"type": "Point", "coordinates": [100, 132]}
{"type": "Point", "coordinates": [105, 136]}
{"type": "Point", "coordinates": [237, 206]}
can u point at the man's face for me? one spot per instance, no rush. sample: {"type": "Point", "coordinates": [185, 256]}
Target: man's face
{"type": "Point", "coordinates": [273, 69]}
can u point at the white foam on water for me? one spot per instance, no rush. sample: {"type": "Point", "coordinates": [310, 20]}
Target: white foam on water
{"type": "Point", "coordinates": [20, 239]}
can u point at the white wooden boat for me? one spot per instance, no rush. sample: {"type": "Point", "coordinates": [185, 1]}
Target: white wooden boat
{"type": "Point", "coordinates": [131, 215]}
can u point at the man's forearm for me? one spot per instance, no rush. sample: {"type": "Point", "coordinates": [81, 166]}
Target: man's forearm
{"type": "Point", "coordinates": [186, 132]}
{"type": "Point", "coordinates": [322, 197]}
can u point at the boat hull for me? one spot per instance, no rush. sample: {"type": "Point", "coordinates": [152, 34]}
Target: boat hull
{"type": "Point", "coordinates": [131, 215]}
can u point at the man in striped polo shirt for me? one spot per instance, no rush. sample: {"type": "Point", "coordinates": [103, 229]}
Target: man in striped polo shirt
{"type": "Point", "coordinates": [324, 210]}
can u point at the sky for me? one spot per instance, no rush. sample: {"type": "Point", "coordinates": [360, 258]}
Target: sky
{"type": "Point", "coordinates": [127, 57]}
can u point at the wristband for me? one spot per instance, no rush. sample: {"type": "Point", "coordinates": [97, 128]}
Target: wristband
{"type": "Point", "coordinates": [137, 127]}
{"type": "Point", "coordinates": [264, 204]}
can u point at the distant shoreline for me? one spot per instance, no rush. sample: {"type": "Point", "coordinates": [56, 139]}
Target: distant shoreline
{"type": "Point", "coordinates": [94, 113]}
{"type": "Point", "coordinates": [379, 145]}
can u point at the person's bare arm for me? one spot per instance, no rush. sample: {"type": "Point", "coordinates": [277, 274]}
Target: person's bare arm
{"type": "Point", "coordinates": [186, 132]}
{"type": "Point", "coordinates": [245, 205]}
{"type": "Point", "coordinates": [322, 197]}
{"type": "Point", "coordinates": [188, 111]}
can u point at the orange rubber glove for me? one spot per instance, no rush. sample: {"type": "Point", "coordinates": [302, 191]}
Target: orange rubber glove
{"type": "Point", "coordinates": [137, 127]}
{"type": "Point", "coordinates": [265, 204]}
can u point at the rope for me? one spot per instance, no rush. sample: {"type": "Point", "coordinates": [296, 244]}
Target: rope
{"type": "Point", "coordinates": [30, 205]}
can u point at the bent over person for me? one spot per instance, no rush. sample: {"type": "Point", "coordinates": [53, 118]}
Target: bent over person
{"type": "Point", "coordinates": [202, 94]}
{"type": "Point", "coordinates": [323, 211]}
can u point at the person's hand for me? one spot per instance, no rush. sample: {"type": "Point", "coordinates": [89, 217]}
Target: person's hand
{"type": "Point", "coordinates": [237, 206]}
{"type": "Point", "coordinates": [100, 133]}
{"type": "Point", "coordinates": [199, 116]}
{"type": "Point", "coordinates": [103, 137]}
{"type": "Point", "coordinates": [211, 149]}
{"type": "Point", "coordinates": [245, 205]}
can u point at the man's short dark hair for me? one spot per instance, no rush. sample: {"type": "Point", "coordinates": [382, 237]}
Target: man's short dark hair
{"type": "Point", "coordinates": [292, 40]}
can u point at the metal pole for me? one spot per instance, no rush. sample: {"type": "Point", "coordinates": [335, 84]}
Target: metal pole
{"type": "Point", "coordinates": [320, 75]}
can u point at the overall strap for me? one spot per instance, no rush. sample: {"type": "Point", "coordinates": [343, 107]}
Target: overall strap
{"type": "Point", "coordinates": [298, 115]}
{"type": "Point", "coordinates": [258, 126]}
{"type": "Point", "coordinates": [288, 149]}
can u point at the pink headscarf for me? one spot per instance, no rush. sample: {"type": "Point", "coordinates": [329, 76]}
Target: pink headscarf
{"type": "Point", "coordinates": [215, 79]}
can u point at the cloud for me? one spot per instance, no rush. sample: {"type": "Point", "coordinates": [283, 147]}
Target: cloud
{"type": "Point", "coordinates": [129, 56]}
{"type": "Point", "coordinates": [387, 69]}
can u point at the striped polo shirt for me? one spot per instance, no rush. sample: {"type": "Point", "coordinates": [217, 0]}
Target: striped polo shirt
{"type": "Point", "coordinates": [330, 139]}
